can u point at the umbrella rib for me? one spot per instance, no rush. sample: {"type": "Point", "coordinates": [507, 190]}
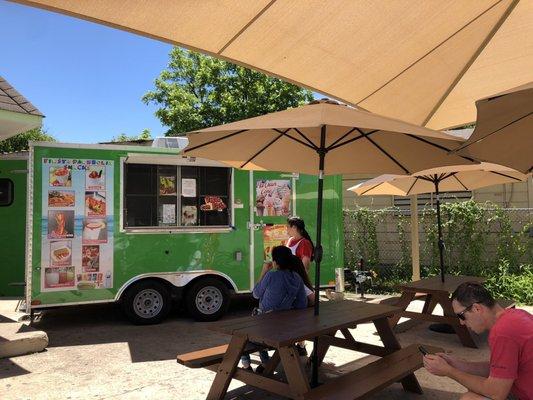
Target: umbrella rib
{"type": "Point", "coordinates": [342, 137]}
{"type": "Point", "coordinates": [295, 139]}
{"type": "Point", "coordinates": [464, 146]}
{"type": "Point", "coordinates": [432, 50]}
{"type": "Point", "coordinates": [506, 176]}
{"type": "Point", "coordinates": [436, 145]}
{"type": "Point", "coordinates": [215, 140]}
{"type": "Point", "coordinates": [263, 149]}
{"type": "Point", "coordinates": [305, 137]}
{"type": "Point", "coordinates": [245, 27]}
{"type": "Point", "coordinates": [414, 183]}
{"type": "Point", "coordinates": [352, 140]}
{"type": "Point", "coordinates": [387, 154]}
{"type": "Point", "coordinates": [458, 180]}
{"type": "Point", "coordinates": [369, 189]}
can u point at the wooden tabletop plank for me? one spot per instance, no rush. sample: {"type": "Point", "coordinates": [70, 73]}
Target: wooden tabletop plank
{"type": "Point", "coordinates": [434, 284]}
{"type": "Point", "coordinates": [282, 328]}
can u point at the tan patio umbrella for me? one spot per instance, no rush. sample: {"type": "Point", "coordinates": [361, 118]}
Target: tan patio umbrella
{"type": "Point", "coordinates": [365, 53]}
{"type": "Point", "coordinates": [323, 138]}
{"type": "Point", "coordinates": [504, 129]}
{"type": "Point", "coordinates": [436, 180]}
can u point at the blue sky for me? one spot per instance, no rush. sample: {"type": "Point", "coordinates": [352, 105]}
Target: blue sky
{"type": "Point", "coordinates": [86, 78]}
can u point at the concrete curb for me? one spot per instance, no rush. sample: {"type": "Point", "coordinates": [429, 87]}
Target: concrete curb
{"type": "Point", "coordinates": [17, 339]}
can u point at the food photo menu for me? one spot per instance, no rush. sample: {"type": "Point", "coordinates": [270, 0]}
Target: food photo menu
{"type": "Point", "coordinates": [77, 226]}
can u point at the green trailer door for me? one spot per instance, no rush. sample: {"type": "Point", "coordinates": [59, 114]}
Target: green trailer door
{"type": "Point", "coordinates": [13, 177]}
{"type": "Point", "coordinates": [276, 196]}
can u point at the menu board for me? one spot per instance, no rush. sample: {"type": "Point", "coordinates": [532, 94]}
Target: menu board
{"type": "Point", "coordinates": [77, 224]}
{"type": "Point", "coordinates": [273, 198]}
{"type": "Point", "coordinates": [275, 235]}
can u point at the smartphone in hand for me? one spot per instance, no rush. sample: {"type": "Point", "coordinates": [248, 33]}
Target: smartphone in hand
{"type": "Point", "coordinates": [423, 350]}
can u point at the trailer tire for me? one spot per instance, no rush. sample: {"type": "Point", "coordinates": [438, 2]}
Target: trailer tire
{"type": "Point", "coordinates": [207, 299]}
{"type": "Point", "coordinates": [146, 302]}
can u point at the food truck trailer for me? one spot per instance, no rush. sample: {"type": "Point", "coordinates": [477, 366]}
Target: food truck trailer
{"type": "Point", "coordinates": [148, 227]}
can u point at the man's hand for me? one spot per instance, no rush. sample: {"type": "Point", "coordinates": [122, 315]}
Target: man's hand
{"type": "Point", "coordinates": [267, 266]}
{"type": "Point", "coordinates": [453, 361]}
{"type": "Point", "coordinates": [437, 365]}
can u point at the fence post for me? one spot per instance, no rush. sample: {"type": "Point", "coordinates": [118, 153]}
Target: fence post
{"type": "Point", "coordinates": [415, 243]}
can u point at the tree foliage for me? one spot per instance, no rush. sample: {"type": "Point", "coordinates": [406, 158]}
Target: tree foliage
{"type": "Point", "coordinates": [20, 142]}
{"type": "Point", "coordinates": [144, 135]}
{"type": "Point", "coordinates": [196, 91]}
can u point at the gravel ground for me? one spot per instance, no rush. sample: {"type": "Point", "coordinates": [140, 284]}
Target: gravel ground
{"type": "Point", "coordinates": [94, 353]}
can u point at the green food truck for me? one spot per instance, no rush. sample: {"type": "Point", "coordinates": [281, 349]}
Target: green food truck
{"type": "Point", "coordinates": [147, 227]}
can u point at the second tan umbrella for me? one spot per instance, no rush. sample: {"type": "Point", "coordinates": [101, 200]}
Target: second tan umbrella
{"type": "Point", "coordinates": [436, 180]}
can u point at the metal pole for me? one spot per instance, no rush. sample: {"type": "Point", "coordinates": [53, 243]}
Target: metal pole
{"type": "Point", "coordinates": [318, 248]}
{"type": "Point", "coordinates": [441, 241]}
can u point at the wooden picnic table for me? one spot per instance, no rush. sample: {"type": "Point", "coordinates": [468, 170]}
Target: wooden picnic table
{"type": "Point", "coordinates": [279, 331]}
{"type": "Point", "coordinates": [436, 292]}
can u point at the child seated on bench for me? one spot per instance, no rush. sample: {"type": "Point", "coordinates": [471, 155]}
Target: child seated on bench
{"type": "Point", "coordinates": [280, 287]}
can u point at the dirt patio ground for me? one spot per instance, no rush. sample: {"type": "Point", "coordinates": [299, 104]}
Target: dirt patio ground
{"type": "Point", "coordinates": [94, 353]}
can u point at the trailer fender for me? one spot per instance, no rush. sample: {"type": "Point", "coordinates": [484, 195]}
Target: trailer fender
{"type": "Point", "coordinates": [177, 279]}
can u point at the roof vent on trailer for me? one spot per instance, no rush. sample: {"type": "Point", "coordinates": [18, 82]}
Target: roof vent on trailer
{"type": "Point", "coordinates": [171, 142]}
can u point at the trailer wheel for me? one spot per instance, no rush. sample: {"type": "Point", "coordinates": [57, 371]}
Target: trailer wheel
{"type": "Point", "coordinates": [207, 299]}
{"type": "Point", "coordinates": [146, 302]}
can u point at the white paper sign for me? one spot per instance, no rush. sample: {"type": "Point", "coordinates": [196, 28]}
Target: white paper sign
{"type": "Point", "coordinates": [169, 213]}
{"type": "Point", "coordinates": [188, 187]}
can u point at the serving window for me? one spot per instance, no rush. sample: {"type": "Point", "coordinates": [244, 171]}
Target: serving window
{"type": "Point", "coordinates": [176, 196]}
{"type": "Point", "coordinates": [6, 192]}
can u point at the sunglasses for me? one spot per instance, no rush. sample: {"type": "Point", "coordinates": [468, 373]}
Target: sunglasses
{"type": "Point", "coordinates": [461, 315]}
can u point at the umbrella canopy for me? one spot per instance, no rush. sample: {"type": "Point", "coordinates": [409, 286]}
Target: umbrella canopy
{"type": "Point", "coordinates": [452, 178]}
{"type": "Point", "coordinates": [323, 138]}
{"type": "Point", "coordinates": [435, 180]}
{"type": "Point", "coordinates": [355, 141]}
{"type": "Point", "coordinates": [364, 53]}
{"type": "Point", "coordinates": [504, 129]}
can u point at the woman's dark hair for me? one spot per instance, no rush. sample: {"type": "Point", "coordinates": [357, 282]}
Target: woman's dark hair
{"type": "Point", "coordinates": [299, 224]}
{"type": "Point", "coordinates": [286, 260]}
{"type": "Point", "coordinates": [469, 293]}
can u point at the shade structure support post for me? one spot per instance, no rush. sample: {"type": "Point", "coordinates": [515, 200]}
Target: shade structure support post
{"type": "Point", "coordinates": [439, 225]}
{"type": "Point", "coordinates": [415, 243]}
{"type": "Point", "coordinates": [318, 249]}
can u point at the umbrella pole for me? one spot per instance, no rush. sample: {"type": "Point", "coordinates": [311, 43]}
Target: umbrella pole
{"type": "Point", "coordinates": [318, 247]}
{"type": "Point", "coordinates": [439, 224]}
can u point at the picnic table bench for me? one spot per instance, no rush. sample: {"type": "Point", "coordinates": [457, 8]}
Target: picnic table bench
{"type": "Point", "coordinates": [434, 292]}
{"type": "Point", "coordinates": [281, 330]}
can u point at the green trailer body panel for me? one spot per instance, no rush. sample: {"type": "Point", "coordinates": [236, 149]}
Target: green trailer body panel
{"type": "Point", "coordinates": [13, 229]}
{"type": "Point", "coordinates": [235, 252]}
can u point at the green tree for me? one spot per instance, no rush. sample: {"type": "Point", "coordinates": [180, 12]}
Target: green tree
{"type": "Point", "coordinates": [144, 135]}
{"type": "Point", "coordinates": [20, 142]}
{"type": "Point", "coordinates": [197, 91]}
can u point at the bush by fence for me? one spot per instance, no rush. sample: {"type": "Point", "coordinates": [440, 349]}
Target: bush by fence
{"type": "Point", "coordinates": [480, 239]}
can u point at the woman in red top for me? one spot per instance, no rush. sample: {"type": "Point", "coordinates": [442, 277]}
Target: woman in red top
{"type": "Point", "coordinates": [299, 241]}
{"type": "Point", "coordinates": [302, 247]}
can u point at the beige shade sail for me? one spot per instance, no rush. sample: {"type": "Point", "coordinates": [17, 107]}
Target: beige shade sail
{"type": "Point", "coordinates": [504, 129]}
{"type": "Point", "coordinates": [425, 62]}
{"type": "Point", "coordinates": [354, 141]}
{"type": "Point", "coordinates": [452, 178]}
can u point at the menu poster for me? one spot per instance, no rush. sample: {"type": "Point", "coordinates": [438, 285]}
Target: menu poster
{"type": "Point", "coordinates": [77, 224]}
{"type": "Point", "coordinates": [275, 235]}
{"type": "Point", "coordinates": [273, 198]}
{"type": "Point", "coordinates": [167, 186]}
{"type": "Point", "coordinates": [188, 187]}
{"type": "Point", "coordinates": [189, 215]}
{"type": "Point", "coordinates": [169, 213]}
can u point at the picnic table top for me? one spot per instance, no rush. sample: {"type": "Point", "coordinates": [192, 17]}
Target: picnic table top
{"type": "Point", "coordinates": [283, 328]}
{"type": "Point", "coordinates": [434, 284]}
